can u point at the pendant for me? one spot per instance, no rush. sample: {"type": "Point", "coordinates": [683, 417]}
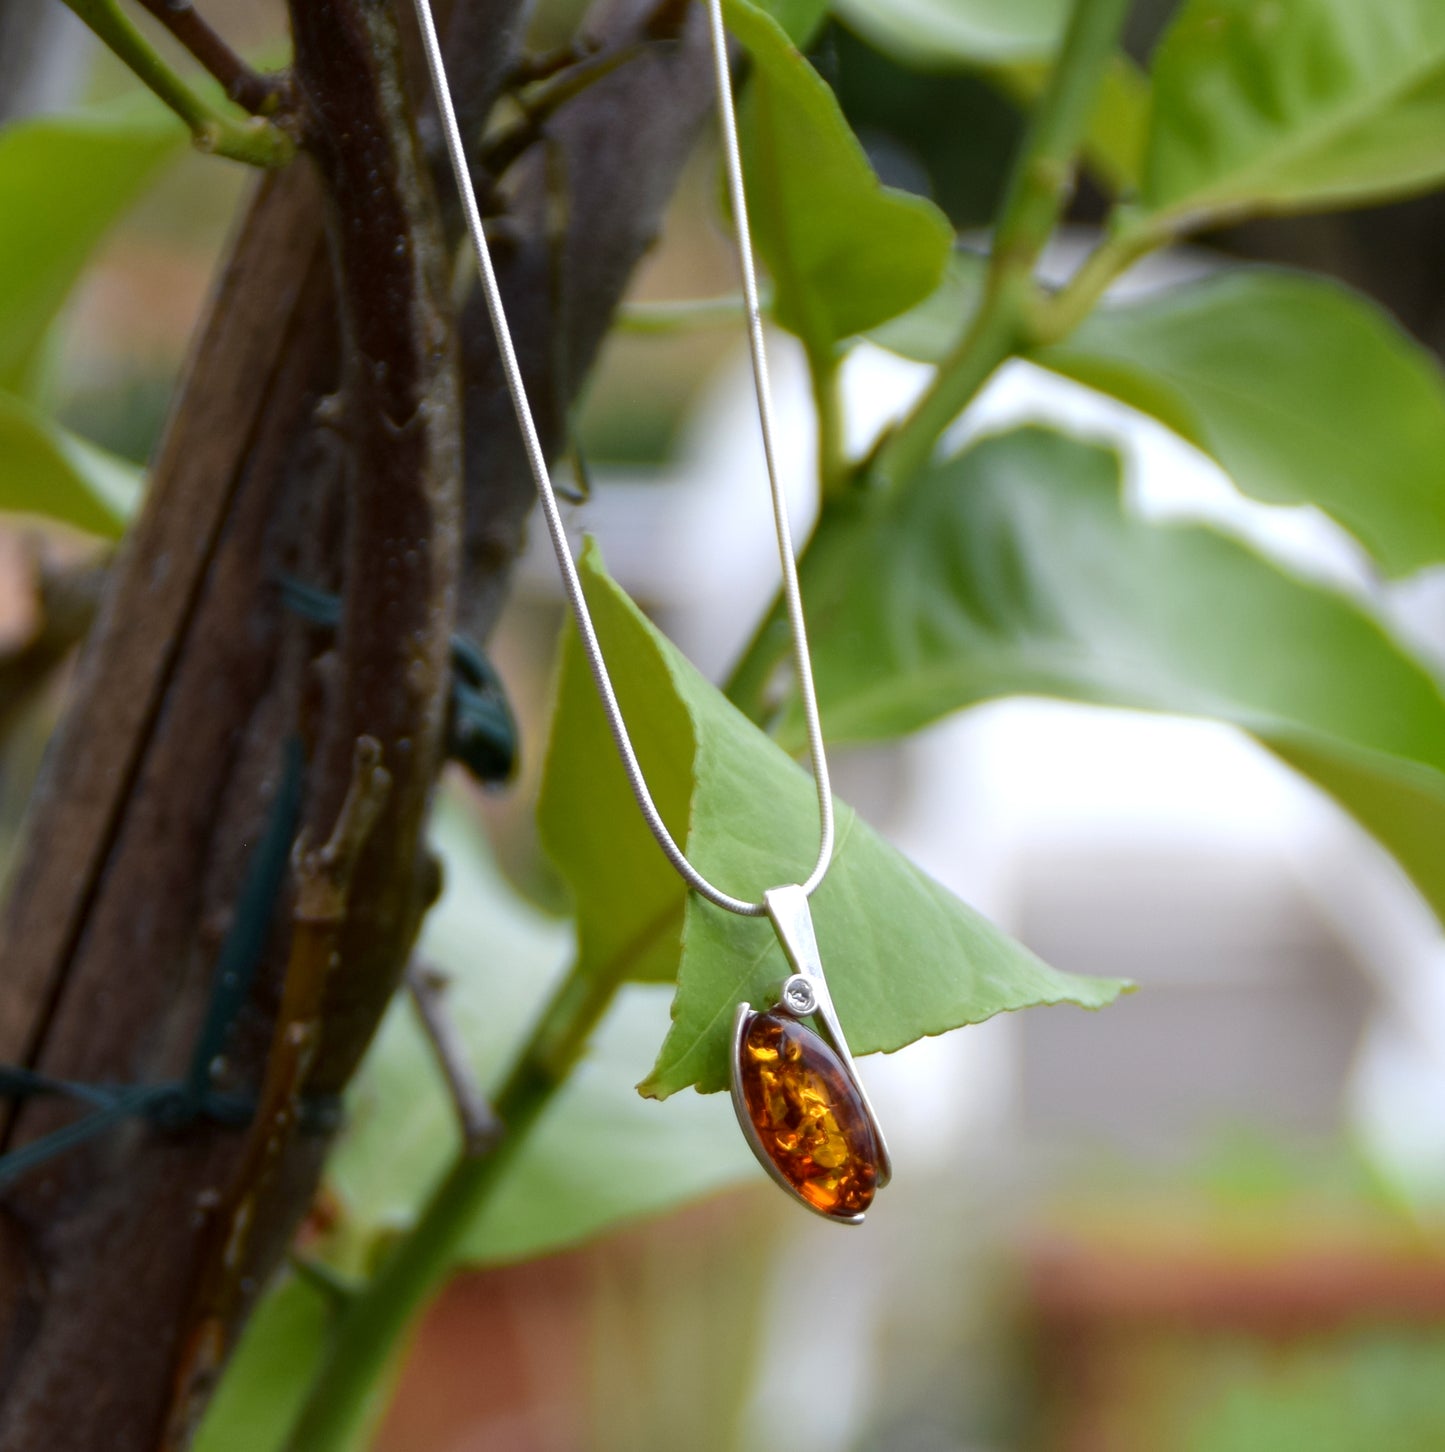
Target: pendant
{"type": "Point", "coordinates": [796, 1090]}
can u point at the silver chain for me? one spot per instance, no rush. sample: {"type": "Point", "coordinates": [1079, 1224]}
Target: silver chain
{"type": "Point", "coordinates": [802, 664]}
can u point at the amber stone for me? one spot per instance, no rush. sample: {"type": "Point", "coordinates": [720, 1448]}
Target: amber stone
{"type": "Point", "coordinates": [808, 1115]}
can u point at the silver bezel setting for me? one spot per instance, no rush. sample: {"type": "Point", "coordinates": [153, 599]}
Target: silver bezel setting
{"type": "Point", "coordinates": [743, 1016]}
{"type": "Point", "coordinates": [803, 995]}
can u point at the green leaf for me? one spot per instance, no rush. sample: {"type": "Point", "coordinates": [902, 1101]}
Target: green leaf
{"type": "Point", "coordinates": [801, 19]}
{"type": "Point", "coordinates": [1013, 42]}
{"type": "Point", "coordinates": [845, 252]}
{"type": "Point", "coordinates": [905, 958]}
{"type": "Point", "coordinates": [944, 34]}
{"type": "Point", "coordinates": [1303, 391]}
{"type": "Point", "coordinates": [45, 470]}
{"type": "Point", "coordinates": [502, 959]}
{"type": "Point", "coordinates": [64, 181]}
{"type": "Point", "coordinates": [1400, 804]}
{"type": "Point", "coordinates": [590, 827]}
{"type": "Point", "coordinates": [266, 1380]}
{"type": "Point", "coordinates": [930, 331]}
{"type": "Point", "coordinates": [1295, 104]}
{"type": "Point", "coordinates": [1015, 569]}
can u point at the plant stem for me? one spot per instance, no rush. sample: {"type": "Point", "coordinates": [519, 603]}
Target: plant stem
{"type": "Point", "coordinates": [996, 333]}
{"type": "Point", "coordinates": [254, 140]}
{"type": "Point", "coordinates": [683, 314]}
{"type": "Point", "coordinates": [480, 1127]}
{"type": "Point", "coordinates": [1042, 180]}
{"type": "Point", "coordinates": [1056, 317]}
{"type": "Point", "coordinates": [248, 88]}
{"type": "Point", "coordinates": [746, 687]}
{"type": "Point", "coordinates": [1038, 191]}
{"type": "Point", "coordinates": [833, 472]}
{"type": "Point", "coordinates": [371, 1330]}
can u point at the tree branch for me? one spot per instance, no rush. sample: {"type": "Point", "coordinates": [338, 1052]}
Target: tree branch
{"type": "Point", "coordinates": [157, 779]}
{"type": "Point", "coordinates": [162, 772]}
{"type": "Point", "coordinates": [399, 423]}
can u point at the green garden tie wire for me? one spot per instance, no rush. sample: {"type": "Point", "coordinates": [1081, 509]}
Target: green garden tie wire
{"type": "Point", "coordinates": [174, 1106]}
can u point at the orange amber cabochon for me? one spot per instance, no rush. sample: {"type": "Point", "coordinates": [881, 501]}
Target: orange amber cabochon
{"type": "Point", "coordinates": [808, 1115]}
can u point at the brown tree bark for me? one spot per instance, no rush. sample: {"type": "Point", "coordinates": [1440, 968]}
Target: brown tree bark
{"type": "Point", "coordinates": [318, 431]}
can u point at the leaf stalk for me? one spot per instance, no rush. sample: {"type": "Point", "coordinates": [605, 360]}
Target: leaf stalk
{"type": "Point", "coordinates": [833, 469]}
{"type": "Point", "coordinates": [1054, 318]}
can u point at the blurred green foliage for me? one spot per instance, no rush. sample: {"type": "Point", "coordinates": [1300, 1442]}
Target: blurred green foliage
{"type": "Point", "coordinates": [1352, 1393]}
{"type": "Point", "coordinates": [79, 172]}
{"type": "Point", "coordinates": [931, 34]}
{"type": "Point", "coordinates": [265, 1383]}
{"type": "Point", "coordinates": [911, 122]}
{"type": "Point", "coordinates": [52, 472]}
{"type": "Point", "coordinates": [1009, 45]}
{"type": "Point", "coordinates": [1017, 569]}
{"type": "Point", "coordinates": [1301, 390]}
{"type": "Point", "coordinates": [117, 149]}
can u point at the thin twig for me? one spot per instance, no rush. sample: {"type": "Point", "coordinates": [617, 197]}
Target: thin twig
{"type": "Point", "coordinates": [480, 1126]}
{"type": "Point", "coordinates": [259, 94]}
{"type": "Point", "coordinates": [337, 1289]}
{"type": "Point", "coordinates": [544, 98]}
{"type": "Point", "coordinates": [539, 67]}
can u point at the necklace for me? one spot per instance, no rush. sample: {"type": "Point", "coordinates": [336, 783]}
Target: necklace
{"type": "Point", "coordinates": [796, 1090]}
